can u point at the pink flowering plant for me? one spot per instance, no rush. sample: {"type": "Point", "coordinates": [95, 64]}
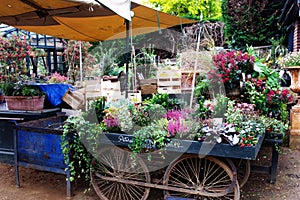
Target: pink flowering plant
{"type": "Point", "coordinates": [57, 78]}
{"type": "Point", "coordinates": [179, 123]}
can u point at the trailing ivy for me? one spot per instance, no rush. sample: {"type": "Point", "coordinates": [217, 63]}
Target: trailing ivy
{"type": "Point", "coordinates": [79, 143]}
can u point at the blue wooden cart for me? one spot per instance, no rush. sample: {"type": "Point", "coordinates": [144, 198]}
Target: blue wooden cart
{"type": "Point", "coordinates": [37, 145]}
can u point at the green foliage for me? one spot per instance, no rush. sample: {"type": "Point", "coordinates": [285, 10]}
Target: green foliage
{"type": "Point", "coordinates": [83, 136]}
{"type": "Point", "coordinates": [262, 70]}
{"type": "Point", "coordinates": [164, 100]}
{"type": "Point", "coordinates": [107, 53]}
{"type": "Point", "coordinates": [202, 86]}
{"type": "Point", "coordinates": [211, 10]}
{"type": "Point", "coordinates": [145, 62]}
{"type": "Point", "coordinates": [202, 111]}
{"type": "Point", "coordinates": [256, 97]}
{"type": "Point", "coordinates": [234, 116]}
{"type": "Point", "coordinates": [150, 137]}
{"type": "Point", "coordinates": [252, 22]}
{"type": "Point", "coordinates": [220, 106]}
{"type": "Point", "coordinates": [7, 88]}
{"type": "Point", "coordinates": [20, 89]}
{"type": "Point", "coordinates": [98, 106]}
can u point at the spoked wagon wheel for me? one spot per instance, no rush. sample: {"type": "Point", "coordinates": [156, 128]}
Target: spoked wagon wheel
{"type": "Point", "coordinates": [114, 176]}
{"type": "Point", "coordinates": [243, 170]}
{"type": "Point", "coordinates": [201, 178]}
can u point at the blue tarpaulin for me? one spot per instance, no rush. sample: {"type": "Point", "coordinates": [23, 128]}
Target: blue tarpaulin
{"type": "Point", "coordinates": [55, 92]}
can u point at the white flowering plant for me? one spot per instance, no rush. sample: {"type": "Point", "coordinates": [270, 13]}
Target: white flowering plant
{"type": "Point", "coordinates": [290, 59]}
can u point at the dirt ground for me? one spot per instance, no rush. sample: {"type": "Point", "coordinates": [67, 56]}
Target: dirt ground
{"type": "Point", "coordinates": [40, 185]}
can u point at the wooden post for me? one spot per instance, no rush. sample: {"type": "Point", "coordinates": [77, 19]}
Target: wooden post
{"type": "Point", "coordinates": [295, 127]}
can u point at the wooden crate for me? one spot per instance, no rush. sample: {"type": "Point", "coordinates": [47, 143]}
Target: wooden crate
{"type": "Point", "coordinates": [74, 99]}
{"type": "Point", "coordinates": [149, 89]}
{"type": "Point", "coordinates": [135, 97]}
{"type": "Point", "coordinates": [150, 81]}
{"type": "Point", "coordinates": [169, 81]}
{"type": "Point", "coordinates": [109, 85]}
{"type": "Point", "coordinates": [169, 90]}
{"type": "Point", "coordinates": [187, 79]}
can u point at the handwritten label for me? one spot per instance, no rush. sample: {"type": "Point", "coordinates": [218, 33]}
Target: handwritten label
{"type": "Point", "coordinates": [125, 139]}
{"type": "Point", "coordinates": [175, 145]}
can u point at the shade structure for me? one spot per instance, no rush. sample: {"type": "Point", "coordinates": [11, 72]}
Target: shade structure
{"type": "Point", "coordinates": [83, 21]}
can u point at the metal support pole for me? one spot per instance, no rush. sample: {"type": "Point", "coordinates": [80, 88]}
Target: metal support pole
{"type": "Point", "coordinates": [127, 57]}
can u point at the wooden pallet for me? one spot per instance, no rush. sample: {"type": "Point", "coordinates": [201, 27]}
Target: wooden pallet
{"type": "Point", "coordinates": [169, 81]}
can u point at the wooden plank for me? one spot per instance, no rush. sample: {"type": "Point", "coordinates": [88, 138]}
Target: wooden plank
{"type": "Point", "coordinates": [168, 90]}
{"type": "Point", "coordinates": [168, 74]}
{"type": "Point", "coordinates": [169, 83]}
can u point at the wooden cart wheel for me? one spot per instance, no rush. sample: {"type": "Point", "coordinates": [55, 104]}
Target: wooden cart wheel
{"type": "Point", "coordinates": [114, 176]}
{"type": "Point", "coordinates": [243, 168]}
{"type": "Point", "coordinates": [201, 178]}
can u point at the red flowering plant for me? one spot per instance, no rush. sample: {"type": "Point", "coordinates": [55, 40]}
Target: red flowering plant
{"type": "Point", "coordinates": [229, 66]}
{"type": "Point", "coordinates": [13, 52]}
{"type": "Point", "coordinates": [271, 102]}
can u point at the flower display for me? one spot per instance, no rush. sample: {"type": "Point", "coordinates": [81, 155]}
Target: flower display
{"type": "Point", "coordinates": [72, 57]}
{"type": "Point", "coordinates": [290, 59]}
{"type": "Point", "coordinates": [269, 101]}
{"type": "Point", "coordinates": [229, 66]}
{"type": "Point", "coordinates": [177, 122]}
{"type": "Point", "coordinates": [13, 52]}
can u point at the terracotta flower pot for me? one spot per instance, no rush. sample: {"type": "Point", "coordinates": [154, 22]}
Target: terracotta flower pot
{"type": "Point", "coordinates": [1, 98]}
{"type": "Point", "coordinates": [25, 103]}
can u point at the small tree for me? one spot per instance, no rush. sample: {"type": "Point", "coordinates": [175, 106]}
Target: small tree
{"type": "Point", "coordinates": [72, 58]}
{"type": "Point", "coordinates": [210, 10]}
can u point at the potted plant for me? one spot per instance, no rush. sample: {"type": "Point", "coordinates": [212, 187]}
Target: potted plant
{"type": "Point", "coordinates": [291, 62]}
{"type": "Point", "coordinates": [228, 69]}
{"type": "Point", "coordinates": [22, 96]}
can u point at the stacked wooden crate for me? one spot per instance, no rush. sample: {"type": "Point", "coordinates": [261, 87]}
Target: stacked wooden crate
{"type": "Point", "coordinates": [187, 79]}
{"type": "Point", "coordinates": [169, 81]}
{"type": "Point", "coordinates": [148, 86]}
{"type": "Point", "coordinates": [111, 90]}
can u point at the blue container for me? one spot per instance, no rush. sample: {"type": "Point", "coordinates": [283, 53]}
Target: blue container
{"type": "Point", "coordinates": [7, 119]}
{"type": "Point", "coordinates": [38, 146]}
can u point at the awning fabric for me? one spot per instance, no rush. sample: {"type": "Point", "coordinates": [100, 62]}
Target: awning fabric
{"type": "Point", "coordinates": [83, 21]}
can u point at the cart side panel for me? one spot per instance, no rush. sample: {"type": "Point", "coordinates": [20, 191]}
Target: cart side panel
{"type": "Point", "coordinates": [193, 147]}
{"type": "Point", "coordinates": [40, 149]}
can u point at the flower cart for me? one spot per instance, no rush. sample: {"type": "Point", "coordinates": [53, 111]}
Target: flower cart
{"type": "Point", "coordinates": [213, 163]}
{"type": "Point", "coordinates": [195, 171]}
